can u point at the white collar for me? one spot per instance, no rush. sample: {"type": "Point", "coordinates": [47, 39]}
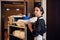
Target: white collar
{"type": "Point", "coordinates": [41, 18]}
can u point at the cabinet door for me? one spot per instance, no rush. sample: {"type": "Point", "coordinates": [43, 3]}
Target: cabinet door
{"type": "Point", "coordinates": [10, 8]}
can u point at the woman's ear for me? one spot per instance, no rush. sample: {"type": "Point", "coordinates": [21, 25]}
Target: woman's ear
{"type": "Point", "coordinates": [41, 12]}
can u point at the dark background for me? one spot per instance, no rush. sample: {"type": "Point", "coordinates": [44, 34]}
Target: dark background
{"type": "Point", "coordinates": [53, 20]}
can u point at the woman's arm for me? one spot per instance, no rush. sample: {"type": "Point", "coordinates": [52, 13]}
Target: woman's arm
{"type": "Point", "coordinates": [30, 26]}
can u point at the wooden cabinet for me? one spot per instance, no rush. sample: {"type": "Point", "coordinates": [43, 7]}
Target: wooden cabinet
{"type": "Point", "coordinates": [17, 33]}
{"type": "Point", "coordinates": [10, 8]}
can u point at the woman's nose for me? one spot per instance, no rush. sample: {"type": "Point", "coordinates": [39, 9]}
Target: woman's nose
{"type": "Point", "coordinates": [35, 11]}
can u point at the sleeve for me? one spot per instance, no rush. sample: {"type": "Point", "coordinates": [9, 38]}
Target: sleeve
{"type": "Point", "coordinates": [43, 28]}
{"type": "Point", "coordinates": [40, 29]}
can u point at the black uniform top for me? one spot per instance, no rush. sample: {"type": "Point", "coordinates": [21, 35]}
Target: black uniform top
{"type": "Point", "coordinates": [39, 27]}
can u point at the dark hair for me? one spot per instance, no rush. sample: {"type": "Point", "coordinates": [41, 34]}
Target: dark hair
{"type": "Point", "coordinates": [39, 6]}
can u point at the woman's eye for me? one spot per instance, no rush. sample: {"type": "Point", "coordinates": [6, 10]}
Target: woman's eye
{"type": "Point", "coordinates": [36, 10]}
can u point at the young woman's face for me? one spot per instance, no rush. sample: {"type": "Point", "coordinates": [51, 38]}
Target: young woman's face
{"type": "Point", "coordinates": [37, 12]}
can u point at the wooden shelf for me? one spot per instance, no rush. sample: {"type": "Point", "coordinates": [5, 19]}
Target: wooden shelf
{"type": "Point", "coordinates": [16, 26]}
{"type": "Point", "coordinates": [12, 28]}
{"type": "Point", "coordinates": [13, 35]}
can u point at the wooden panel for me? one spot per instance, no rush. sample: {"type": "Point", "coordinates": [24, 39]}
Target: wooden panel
{"type": "Point", "coordinates": [14, 6]}
{"type": "Point", "coordinates": [13, 0]}
{"type": "Point", "coordinates": [12, 11]}
{"type": "Point", "coordinates": [37, 0]}
{"type": "Point", "coordinates": [30, 6]}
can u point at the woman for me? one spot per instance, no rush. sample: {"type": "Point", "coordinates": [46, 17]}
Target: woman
{"type": "Point", "coordinates": [40, 23]}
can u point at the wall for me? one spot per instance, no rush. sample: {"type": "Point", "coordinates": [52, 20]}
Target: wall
{"type": "Point", "coordinates": [0, 19]}
{"type": "Point", "coordinates": [45, 13]}
{"type": "Point", "coordinates": [44, 7]}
